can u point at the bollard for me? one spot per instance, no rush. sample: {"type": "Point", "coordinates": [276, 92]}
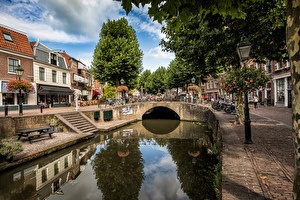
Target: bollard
{"type": "Point", "coordinates": [6, 110]}
{"type": "Point", "coordinates": [41, 108]}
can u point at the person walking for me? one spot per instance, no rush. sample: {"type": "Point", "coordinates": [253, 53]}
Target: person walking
{"type": "Point", "coordinates": [255, 101]}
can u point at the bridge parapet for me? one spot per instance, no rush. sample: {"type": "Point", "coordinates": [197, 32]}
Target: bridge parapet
{"type": "Point", "coordinates": [186, 111]}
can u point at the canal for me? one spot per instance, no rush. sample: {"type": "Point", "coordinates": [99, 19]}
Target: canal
{"type": "Point", "coordinates": [150, 159]}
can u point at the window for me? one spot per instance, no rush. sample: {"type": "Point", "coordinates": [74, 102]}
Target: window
{"type": "Point", "coordinates": [42, 73]}
{"type": "Point", "coordinates": [13, 64]}
{"type": "Point", "coordinates": [7, 37]}
{"type": "Point", "coordinates": [53, 58]}
{"type": "Point", "coordinates": [64, 78]}
{"type": "Point", "coordinates": [44, 175]}
{"type": "Point", "coordinates": [42, 55]}
{"type": "Point", "coordinates": [216, 84]}
{"type": "Point", "coordinates": [54, 80]}
{"type": "Point", "coordinates": [280, 91]}
{"type": "Point", "coordinates": [56, 168]}
{"type": "Point", "coordinates": [66, 162]}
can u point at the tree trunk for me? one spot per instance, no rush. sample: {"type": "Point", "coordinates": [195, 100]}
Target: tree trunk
{"type": "Point", "coordinates": [293, 45]}
{"type": "Point", "coordinates": [240, 115]}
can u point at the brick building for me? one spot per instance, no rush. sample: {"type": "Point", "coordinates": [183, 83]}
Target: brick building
{"type": "Point", "coordinates": [15, 51]}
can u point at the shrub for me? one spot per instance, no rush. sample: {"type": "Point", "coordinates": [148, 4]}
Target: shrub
{"type": "Point", "coordinates": [10, 147]}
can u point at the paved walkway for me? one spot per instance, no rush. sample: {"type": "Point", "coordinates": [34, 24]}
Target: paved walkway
{"type": "Point", "coordinates": [262, 170]}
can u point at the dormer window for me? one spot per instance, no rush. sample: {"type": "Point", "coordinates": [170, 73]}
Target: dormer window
{"type": "Point", "coordinates": [7, 37]}
{"type": "Point", "coordinates": [53, 58]}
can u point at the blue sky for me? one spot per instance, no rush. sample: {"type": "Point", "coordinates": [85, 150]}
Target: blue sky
{"type": "Point", "coordinates": [74, 26]}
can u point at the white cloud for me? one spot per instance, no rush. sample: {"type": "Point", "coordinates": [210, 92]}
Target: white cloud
{"type": "Point", "coordinates": [158, 53]}
{"type": "Point", "coordinates": [79, 22]}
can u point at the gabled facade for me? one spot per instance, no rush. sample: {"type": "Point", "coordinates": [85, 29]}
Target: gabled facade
{"type": "Point", "coordinates": [15, 51]}
{"type": "Point", "coordinates": [81, 79]}
{"type": "Point", "coordinates": [51, 75]}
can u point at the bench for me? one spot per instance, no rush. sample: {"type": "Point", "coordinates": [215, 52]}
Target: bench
{"type": "Point", "coordinates": [42, 131]}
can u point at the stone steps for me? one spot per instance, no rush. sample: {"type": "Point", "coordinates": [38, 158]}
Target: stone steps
{"type": "Point", "coordinates": [78, 122]}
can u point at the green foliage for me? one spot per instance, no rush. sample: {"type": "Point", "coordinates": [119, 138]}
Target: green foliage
{"type": "Point", "coordinates": [143, 80]}
{"type": "Point", "coordinates": [157, 81]}
{"type": "Point", "coordinates": [162, 10]}
{"type": "Point", "coordinates": [177, 75]}
{"type": "Point", "coordinates": [109, 91]}
{"type": "Point", "coordinates": [117, 54]}
{"type": "Point", "coordinates": [246, 79]}
{"type": "Point", "coordinates": [10, 147]}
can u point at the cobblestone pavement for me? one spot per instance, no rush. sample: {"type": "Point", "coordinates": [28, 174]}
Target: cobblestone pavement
{"type": "Point", "coordinates": [262, 170]}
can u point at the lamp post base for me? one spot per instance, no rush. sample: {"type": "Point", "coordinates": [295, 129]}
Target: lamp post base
{"type": "Point", "coordinates": [247, 121]}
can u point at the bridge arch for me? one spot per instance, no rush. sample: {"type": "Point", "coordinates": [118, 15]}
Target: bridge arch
{"type": "Point", "coordinates": [160, 112]}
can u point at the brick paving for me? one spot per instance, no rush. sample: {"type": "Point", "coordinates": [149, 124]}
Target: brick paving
{"type": "Point", "coordinates": [262, 170]}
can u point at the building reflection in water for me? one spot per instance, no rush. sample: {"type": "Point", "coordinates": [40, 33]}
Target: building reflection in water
{"type": "Point", "coordinates": [45, 176]}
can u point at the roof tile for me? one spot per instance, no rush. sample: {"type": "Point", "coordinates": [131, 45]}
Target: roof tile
{"type": "Point", "coordinates": [20, 41]}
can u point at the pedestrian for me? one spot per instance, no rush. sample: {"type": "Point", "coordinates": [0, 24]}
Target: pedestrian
{"type": "Point", "coordinates": [255, 101]}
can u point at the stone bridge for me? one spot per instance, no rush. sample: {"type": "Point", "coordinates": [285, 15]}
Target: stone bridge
{"type": "Point", "coordinates": [183, 111]}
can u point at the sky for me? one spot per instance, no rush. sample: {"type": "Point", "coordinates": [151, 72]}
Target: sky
{"type": "Point", "coordinates": [74, 26]}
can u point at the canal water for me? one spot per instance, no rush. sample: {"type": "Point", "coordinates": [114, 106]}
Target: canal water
{"type": "Point", "coordinates": [151, 159]}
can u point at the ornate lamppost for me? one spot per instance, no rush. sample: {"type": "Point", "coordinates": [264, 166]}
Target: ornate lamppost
{"type": "Point", "coordinates": [243, 49]}
{"type": "Point", "coordinates": [19, 72]}
{"type": "Point", "coordinates": [193, 82]}
{"type": "Point", "coordinates": [122, 82]}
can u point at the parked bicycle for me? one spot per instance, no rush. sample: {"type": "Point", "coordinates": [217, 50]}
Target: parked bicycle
{"type": "Point", "coordinates": [230, 108]}
{"type": "Point", "coordinates": [219, 105]}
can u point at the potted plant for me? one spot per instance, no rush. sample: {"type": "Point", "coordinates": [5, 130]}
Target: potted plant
{"type": "Point", "coordinates": [16, 85]}
{"type": "Point", "coordinates": [10, 147]}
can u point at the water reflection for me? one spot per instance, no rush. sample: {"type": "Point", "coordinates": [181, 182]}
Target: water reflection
{"type": "Point", "coordinates": [162, 126]}
{"type": "Point", "coordinates": [130, 163]}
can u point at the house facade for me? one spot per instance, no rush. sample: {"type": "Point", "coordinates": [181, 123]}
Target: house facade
{"type": "Point", "coordinates": [81, 79]}
{"type": "Point", "coordinates": [15, 51]}
{"type": "Point", "coordinates": [51, 76]}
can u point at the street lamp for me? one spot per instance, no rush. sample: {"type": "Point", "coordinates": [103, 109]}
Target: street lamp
{"type": "Point", "coordinates": [243, 49]}
{"type": "Point", "coordinates": [193, 81]}
{"type": "Point", "coordinates": [122, 82]}
{"type": "Point", "coordinates": [19, 72]}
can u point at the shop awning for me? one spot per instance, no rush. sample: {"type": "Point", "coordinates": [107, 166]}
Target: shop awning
{"type": "Point", "coordinates": [54, 90]}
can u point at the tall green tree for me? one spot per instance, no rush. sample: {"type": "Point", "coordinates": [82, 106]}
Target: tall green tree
{"type": "Point", "coordinates": [177, 75]}
{"type": "Point", "coordinates": [143, 79]}
{"type": "Point", "coordinates": [157, 81]}
{"type": "Point", "coordinates": [117, 54]}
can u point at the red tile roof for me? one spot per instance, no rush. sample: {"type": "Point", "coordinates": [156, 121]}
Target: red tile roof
{"type": "Point", "coordinates": [20, 41]}
{"type": "Point", "coordinates": [67, 57]}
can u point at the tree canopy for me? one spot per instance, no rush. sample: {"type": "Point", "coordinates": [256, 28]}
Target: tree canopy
{"type": "Point", "coordinates": [117, 54]}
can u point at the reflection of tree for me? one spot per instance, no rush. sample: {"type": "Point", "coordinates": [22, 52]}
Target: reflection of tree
{"type": "Point", "coordinates": [197, 177]}
{"type": "Point", "coordinates": [115, 176]}
{"type": "Point", "coordinates": [16, 189]}
{"type": "Point", "coordinates": [27, 193]}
